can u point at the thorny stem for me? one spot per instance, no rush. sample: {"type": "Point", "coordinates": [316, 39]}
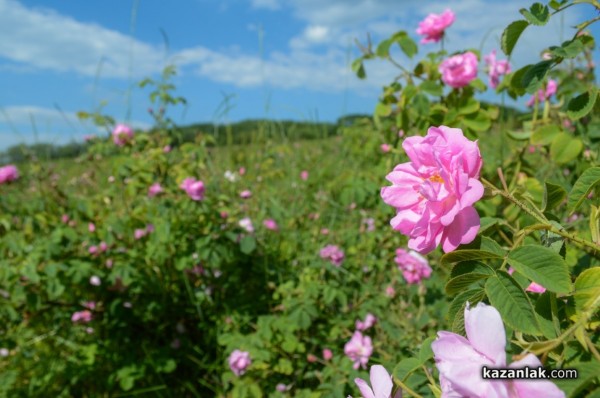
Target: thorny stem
{"type": "Point", "coordinates": [535, 213]}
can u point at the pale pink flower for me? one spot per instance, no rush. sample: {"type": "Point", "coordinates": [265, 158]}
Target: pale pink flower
{"type": "Point", "coordinates": [324, 231]}
{"type": "Point", "coordinates": [109, 263]}
{"type": "Point", "coordinates": [224, 214]}
{"type": "Point", "coordinates": [381, 383]}
{"type": "Point", "coordinates": [4, 352]}
{"type": "Point", "coordinates": [65, 218]}
{"type": "Point", "coordinates": [370, 223]}
{"type": "Point", "coordinates": [246, 194]}
{"type": "Point", "coordinates": [150, 228]}
{"type": "Point", "coordinates": [271, 224]}
{"type": "Point", "coordinates": [242, 171]}
{"type": "Point", "coordinates": [310, 358]}
{"type": "Point", "coordinates": [327, 354]}
{"type": "Point", "coordinates": [369, 321]}
{"type": "Point", "coordinates": [122, 134]}
{"type": "Point", "coordinates": [95, 280]}
{"type": "Point", "coordinates": [434, 25]}
{"type": "Point", "coordinates": [91, 227]}
{"type": "Point", "coordinates": [139, 233]}
{"type": "Point", "coordinates": [414, 267]}
{"type": "Point", "coordinates": [496, 68]}
{"type": "Point", "coordinates": [359, 349]}
{"type": "Point", "coordinates": [103, 246]}
{"type": "Point", "coordinates": [390, 291]}
{"type": "Point", "coordinates": [246, 224]}
{"type": "Point", "coordinates": [154, 189]}
{"type": "Point", "coordinates": [400, 133]}
{"type": "Point", "coordinates": [434, 193]}
{"type": "Point", "coordinates": [459, 70]}
{"type": "Point", "coordinates": [385, 148]}
{"type": "Point", "coordinates": [8, 173]}
{"type": "Point", "coordinates": [239, 362]}
{"type": "Point", "coordinates": [333, 254]}
{"type": "Point", "coordinates": [84, 316]}
{"type": "Point", "coordinates": [543, 95]}
{"type": "Point", "coordinates": [167, 148]}
{"type": "Point", "coordinates": [533, 287]}
{"type": "Point", "coordinates": [460, 360]}
{"type": "Point", "coordinates": [93, 250]}
{"type": "Point", "coordinates": [304, 175]}
{"type": "Point", "coordinates": [281, 387]}
{"type": "Point", "coordinates": [194, 188]}
{"type": "Point", "coordinates": [90, 305]}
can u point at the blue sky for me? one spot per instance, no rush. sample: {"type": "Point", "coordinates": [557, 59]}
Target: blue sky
{"type": "Point", "coordinates": [282, 59]}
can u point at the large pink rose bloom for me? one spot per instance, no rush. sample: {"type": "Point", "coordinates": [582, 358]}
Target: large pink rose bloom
{"type": "Point", "coordinates": [433, 26]}
{"type": "Point", "coordinates": [8, 173]}
{"type": "Point", "coordinates": [122, 134]}
{"type": "Point", "coordinates": [459, 70]}
{"type": "Point", "coordinates": [239, 362]}
{"type": "Point", "coordinates": [434, 193]}
{"type": "Point", "coordinates": [194, 188]}
{"type": "Point", "coordinates": [460, 360]}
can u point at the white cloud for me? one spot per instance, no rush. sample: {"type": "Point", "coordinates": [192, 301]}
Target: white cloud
{"type": "Point", "coordinates": [45, 39]}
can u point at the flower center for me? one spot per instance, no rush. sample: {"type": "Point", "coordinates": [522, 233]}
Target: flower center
{"type": "Point", "coordinates": [436, 178]}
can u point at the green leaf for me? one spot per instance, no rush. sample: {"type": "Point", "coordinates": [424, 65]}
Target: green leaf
{"type": "Point", "coordinates": [582, 187]}
{"type": "Point", "coordinates": [553, 196]}
{"type": "Point", "coordinates": [465, 274]}
{"type": "Point", "coordinates": [383, 49]}
{"type": "Point", "coordinates": [565, 148]}
{"type": "Point", "coordinates": [519, 135]}
{"type": "Point", "coordinates": [582, 104]}
{"type": "Point", "coordinates": [587, 290]}
{"type": "Point", "coordinates": [512, 303]}
{"type": "Point", "coordinates": [488, 222]}
{"type": "Point", "coordinates": [538, 14]}
{"type": "Point", "coordinates": [543, 310]}
{"type": "Point", "coordinates": [569, 49]}
{"type": "Point", "coordinates": [359, 68]}
{"type": "Point", "coordinates": [247, 244]}
{"type": "Point", "coordinates": [535, 76]}
{"type": "Point", "coordinates": [511, 35]}
{"type": "Point", "coordinates": [405, 368]}
{"type": "Point", "coordinates": [543, 266]}
{"type": "Point", "coordinates": [457, 306]}
{"type": "Point", "coordinates": [545, 134]}
{"type": "Point", "coordinates": [469, 106]}
{"type": "Point", "coordinates": [587, 372]}
{"type": "Point", "coordinates": [479, 121]}
{"type": "Point", "coordinates": [466, 255]}
{"type": "Point", "coordinates": [407, 45]}
{"type": "Point", "coordinates": [432, 88]}
{"type": "Point", "coordinates": [426, 353]}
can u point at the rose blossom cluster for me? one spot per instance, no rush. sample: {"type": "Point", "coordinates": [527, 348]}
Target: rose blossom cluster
{"type": "Point", "coordinates": [194, 188]}
{"type": "Point", "coordinates": [122, 134]}
{"type": "Point", "coordinates": [239, 362]}
{"type": "Point", "coordinates": [414, 267]}
{"type": "Point", "coordinates": [154, 190]}
{"type": "Point", "coordinates": [459, 70]}
{"type": "Point", "coordinates": [543, 95]}
{"type": "Point", "coordinates": [359, 349]}
{"type": "Point", "coordinates": [434, 193]}
{"type": "Point", "coordinates": [8, 173]}
{"type": "Point", "coordinates": [460, 360]}
{"type": "Point", "coordinates": [434, 26]}
{"type": "Point", "coordinates": [333, 254]}
{"type": "Point", "coordinates": [496, 68]}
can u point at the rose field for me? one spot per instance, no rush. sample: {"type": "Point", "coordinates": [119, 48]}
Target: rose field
{"type": "Point", "coordinates": [399, 254]}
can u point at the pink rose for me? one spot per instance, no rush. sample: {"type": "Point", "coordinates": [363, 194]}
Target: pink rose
{"type": "Point", "coordinates": [434, 193]}
{"type": "Point", "coordinates": [359, 349]}
{"type": "Point", "coordinates": [8, 173]}
{"type": "Point", "coordinates": [433, 26]}
{"type": "Point", "coordinates": [390, 291]}
{"type": "Point", "coordinates": [543, 95]}
{"type": "Point", "coordinates": [496, 68]}
{"type": "Point", "coordinates": [369, 321]}
{"type": "Point", "coordinates": [91, 227]}
{"type": "Point", "coordinates": [84, 316]}
{"type": "Point", "coordinates": [332, 253]}
{"type": "Point", "coordinates": [327, 354]}
{"type": "Point", "coordinates": [414, 267]}
{"type": "Point", "coordinates": [194, 188]}
{"type": "Point", "coordinates": [95, 280]}
{"type": "Point", "coordinates": [65, 218]}
{"type": "Point", "coordinates": [167, 148]}
{"type": "Point", "coordinates": [460, 360]}
{"type": "Point", "coordinates": [459, 70]}
{"type": "Point", "coordinates": [154, 190]}
{"type": "Point", "coordinates": [381, 382]}
{"type": "Point", "coordinates": [239, 362]}
{"type": "Point", "coordinates": [242, 171]}
{"type": "Point", "coordinates": [246, 224]}
{"type": "Point", "coordinates": [310, 358]}
{"type": "Point", "coordinates": [139, 233]}
{"type": "Point", "coordinates": [271, 224]}
{"type": "Point", "coordinates": [122, 134]}
{"type": "Point", "coordinates": [304, 175]}
{"type": "Point", "coordinates": [246, 194]}
{"type": "Point", "coordinates": [385, 148]}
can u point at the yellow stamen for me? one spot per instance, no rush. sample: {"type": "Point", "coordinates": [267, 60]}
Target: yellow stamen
{"type": "Point", "coordinates": [436, 178]}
